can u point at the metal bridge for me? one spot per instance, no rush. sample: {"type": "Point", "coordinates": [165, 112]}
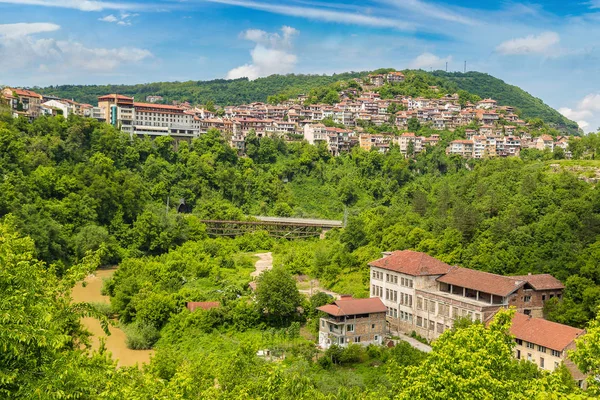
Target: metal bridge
{"type": "Point", "coordinates": [290, 228]}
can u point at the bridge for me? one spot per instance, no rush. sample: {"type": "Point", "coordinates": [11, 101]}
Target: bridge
{"type": "Point", "coordinates": [279, 227]}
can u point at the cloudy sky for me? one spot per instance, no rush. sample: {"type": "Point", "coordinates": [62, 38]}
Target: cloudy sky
{"type": "Point", "coordinates": [549, 48]}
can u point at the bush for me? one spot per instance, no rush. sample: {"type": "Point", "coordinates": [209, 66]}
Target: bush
{"type": "Point", "coordinates": [141, 336]}
{"type": "Point", "coordinates": [103, 308]}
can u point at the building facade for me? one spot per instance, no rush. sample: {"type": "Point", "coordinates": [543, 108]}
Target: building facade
{"type": "Point", "coordinates": [348, 320]}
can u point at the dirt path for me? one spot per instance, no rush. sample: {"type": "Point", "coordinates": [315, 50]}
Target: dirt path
{"type": "Point", "coordinates": [264, 263]}
{"type": "Point", "coordinates": [115, 343]}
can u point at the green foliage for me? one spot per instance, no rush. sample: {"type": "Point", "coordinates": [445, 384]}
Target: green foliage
{"type": "Point", "coordinates": [277, 295]}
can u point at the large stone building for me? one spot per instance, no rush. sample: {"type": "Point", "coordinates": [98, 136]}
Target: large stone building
{"type": "Point", "coordinates": [348, 320]}
{"type": "Point", "coordinates": [425, 295]}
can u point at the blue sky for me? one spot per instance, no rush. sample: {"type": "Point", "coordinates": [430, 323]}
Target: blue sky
{"type": "Point", "coordinates": [549, 48]}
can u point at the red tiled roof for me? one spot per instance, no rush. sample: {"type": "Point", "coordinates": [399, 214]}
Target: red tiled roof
{"type": "Point", "coordinates": [354, 306]}
{"type": "Point", "coordinates": [543, 333]}
{"type": "Point", "coordinates": [115, 96]}
{"type": "Point", "coordinates": [412, 263]}
{"type": "Point", "coordinates": [25, 92]}
{"type": "Point", "coordinates": [541, 281]}
{"type": "Point", "coordinates": [482, 281]}
{"type": "Point", "coordinates": [159, 106]}
{"type": "Point", "coordinates": [205, 305]}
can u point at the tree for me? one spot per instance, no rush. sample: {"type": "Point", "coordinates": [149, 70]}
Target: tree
{"type": "Point", "coordinates": [587, 355]}
{"type": "Point", "coordinates": [277, 295]}
{"type": "Point", "coordinates": [414, 125]}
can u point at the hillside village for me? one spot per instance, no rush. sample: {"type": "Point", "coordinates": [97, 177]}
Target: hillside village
{"type": "Point", "coordinates": [361, 118]}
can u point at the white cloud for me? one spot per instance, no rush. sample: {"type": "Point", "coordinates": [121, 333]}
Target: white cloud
{"type": "Point", "coordinates": [124, 19]}
{"type": "Point", "coordinates": [82, 5]}
{"type": "Point", "coordinates": [109, 18]}
{"type": "Point", "coordinates": [271, 55]}
{"type": "Point", "coordinates": [430, 10]}
{"type": "Point", "coordinates": [23, 51]}
{"type": "Point", "coordinates": [586, 114]}
{"type": "Point", "coordinates": [593, 4]}
{"type": "Point", "coordinates": [322, 14]}
{"type": "Point", "coordinates": [23, 28]}
{"type": "Point", "coordinates": [428, 60]}
{"type": "Point", "coordinates": [531, 44]}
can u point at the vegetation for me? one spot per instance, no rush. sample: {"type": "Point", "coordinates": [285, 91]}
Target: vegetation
{"type": "Point", "coordinates": [471, 86]}
{"type": "Point", "coordinates": [75, 194]}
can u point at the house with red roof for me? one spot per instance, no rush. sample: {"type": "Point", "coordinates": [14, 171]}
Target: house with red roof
{"type": "Point", "coordinates": [23, 102]}
{"type": "Point", "coordinates": [349, 320]}
{"type": "Point", "coordinates": [203, 305]}
{"type": "Point", "coordinates": [545, 343]}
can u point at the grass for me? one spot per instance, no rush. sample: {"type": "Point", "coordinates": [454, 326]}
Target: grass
{"type": "Point", "coordinates": [351, 283]}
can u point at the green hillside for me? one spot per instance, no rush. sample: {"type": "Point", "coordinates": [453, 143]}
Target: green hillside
{"type": "Point", "coordinates": [485, 86]}
{"type": "Point", "coordinates": [238, 91]}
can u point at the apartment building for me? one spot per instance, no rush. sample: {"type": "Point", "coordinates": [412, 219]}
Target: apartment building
{"type": "Point", "coordinates": [546, 344]}
{"type": "Point", "coordinates": [23, 102]}
{"type": "Point", "coordinates": [348, 320]}
{"type": "Point", "coordinates": [462, 148]}
{"type": "Point", "coordinates": [425, 295]}
{"type": "Point", "coordinates": [408, 139]}
{"type": "Point", "coordinates": [379, 142]}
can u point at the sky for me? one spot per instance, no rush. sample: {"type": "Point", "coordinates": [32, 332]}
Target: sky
{"type": "Point", "coordinates": [548, 48]}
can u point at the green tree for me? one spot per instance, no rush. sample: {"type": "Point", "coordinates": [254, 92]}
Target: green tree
{"type": "Point", "coordinates": [277, 295]}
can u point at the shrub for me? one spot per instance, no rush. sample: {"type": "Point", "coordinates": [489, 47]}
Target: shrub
{"type": "Point", "coordinates": [141, 336]}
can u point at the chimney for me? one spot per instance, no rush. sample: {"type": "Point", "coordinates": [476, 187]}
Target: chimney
{"type": "Point", "coordinates": [345, 296]}
{"type": "Point", "coordinates": [529, 273]}
{"type": "Point", "coordinates": [386, 253]}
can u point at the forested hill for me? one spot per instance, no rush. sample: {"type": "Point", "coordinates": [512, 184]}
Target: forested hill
{"type": "Point", "coordinates": [485, 86]}
{"type": "Point", "coordinates": [238, 91]}
{"type": "Point", "coordinates": [221, 91]}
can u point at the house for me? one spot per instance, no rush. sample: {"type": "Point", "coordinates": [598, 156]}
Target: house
{"type": "Point", "coordinates": [394, 77]}
{"type": "Point", "coordinates": [348, 320]}
{"type": "Point", "coordinates": [487, 104]}
{"type": "Point", "coordinates": [23, 102]}
{"type": "Point", "coordinates": [376, 80]}
{"type": "Point", "coordinates": [544, 142]}
{"type": "Point", "coordinates": [545, 343]}
{"type": "Point", "coordinates": [204, 305]}
{"type": "Point", "coordinates": [426, 295]}
{"type": "Point", "coordinates": [463, 148]}
{"type": "Point", "coordinates": [153, 98]}
{"type": "Point", "coordinates": [408, 139]}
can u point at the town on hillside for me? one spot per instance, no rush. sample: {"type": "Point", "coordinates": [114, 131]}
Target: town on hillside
{"type": "Point", "coordinates": [490, 130]}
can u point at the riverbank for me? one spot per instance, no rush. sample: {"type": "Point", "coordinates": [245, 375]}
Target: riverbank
{"type": "Point", "coordinates": [116, 342]}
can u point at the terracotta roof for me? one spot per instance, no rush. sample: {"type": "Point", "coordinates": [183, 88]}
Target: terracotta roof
{"type": "Point", "coordinates": [352, 306]}
{"type": "Point", "coordinates": [115, 96]}
{"type": "Point", "coordinates": [543, 333]}
{"type": "Point", "coordinates": [541, 281]}
{"type": "Point", "coordinates": [412, 263]}
{"type": "Point", "coordinates": [24, 92]}
{"type": "Point", "coordinates": [482, 281]}
{"type": "Point", "coordinates": [158, 106]}
{"type": "Point", "coordinates": [205, 305]}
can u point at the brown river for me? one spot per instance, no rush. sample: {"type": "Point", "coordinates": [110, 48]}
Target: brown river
{"type": "Point", "coordinates": [115, 343]}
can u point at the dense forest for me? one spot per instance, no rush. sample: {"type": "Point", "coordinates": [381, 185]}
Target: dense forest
{"type": "Point", "coordinates": [487, 86]}
{"type": "Point", "coordinates": [76, 194]}
{"type": "Point", "coordinates": [233, 92]}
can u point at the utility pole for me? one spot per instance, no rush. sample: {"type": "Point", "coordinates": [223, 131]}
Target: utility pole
{"type": "Point", "coordinates": [465, 66]}
{"type": "Point", "coordinates": [446, 66]}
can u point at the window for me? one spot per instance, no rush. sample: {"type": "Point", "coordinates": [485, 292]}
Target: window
{"type": "Point", "coordinates": [556, 353]}
{"type": "Point", "coordinates": [322, 323]}
{"type": "Point", "coordinates": [350, 327]}
{"type": "Point", "coordinates": [372, 326]}
{"type": "Point", "coordinates": [530, 345]}
{"type": "Point", "coordinates": [357, 339]}
{"type": "Point", "coordinates": [432, 307]}
{"type": "Point", "coordinates": [395, 296]}
{"type": "Point", "coordinates": [519, 342]}
{"type": "Point", "coordinates": [529, 358]}
{"type": "Point", "coordinates": [527, 312]}
{"type": "Point", "coordinates": [440, 328]}
{"type": "Point", "coordinates": [419, 303]}
{"type": "Point", "coordinates": [431, 325]}
{"type": "Point", "coordinates": [419, 321]}
{"type": "Point", "coordinates": [342, 340]}
{"type": "Point", "coordinates": [541, 362]}
{"type": "Point", "coordinates": [455, 312]}
{"type": "Point", "coordinates": [556, 364]}
{"type": "Point", "coordinates": [541, 349]}
{"type": "Point", "coordinates": [527, 299]}
{"type": "Point", "coordinates": [376, 337]}
{"type": "Point", "coordinates": [543, 297]}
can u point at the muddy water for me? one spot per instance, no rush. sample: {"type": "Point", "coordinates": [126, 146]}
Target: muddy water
{"type": "Point", "coordinates": [115, 343]}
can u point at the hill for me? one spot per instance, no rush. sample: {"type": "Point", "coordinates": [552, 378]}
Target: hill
{"type": "Point", "coordinates": [485, 86]}
{"type": "Point", "coordinates": [238, 91]}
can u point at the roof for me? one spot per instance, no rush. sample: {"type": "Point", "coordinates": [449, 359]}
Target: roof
{"type": "Point", "coordinates": [482, 281]}
{"type": "Point", "coordinates": [24, 92]}
{"type": "Point", "coordinates": [205, 305]}
{"type": "Point", "coordinates": [158, 106]}
{"type": "Point", "coordinates": [412, 263]}
{"type": "Point", "coordinates": [541, 281]}
{"type": "Point", "coordinates": [350, 306]}
{"type": "Point", "coordinates": [549, 334]}
{"type": "Point", "coordinates": [115, 96]}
